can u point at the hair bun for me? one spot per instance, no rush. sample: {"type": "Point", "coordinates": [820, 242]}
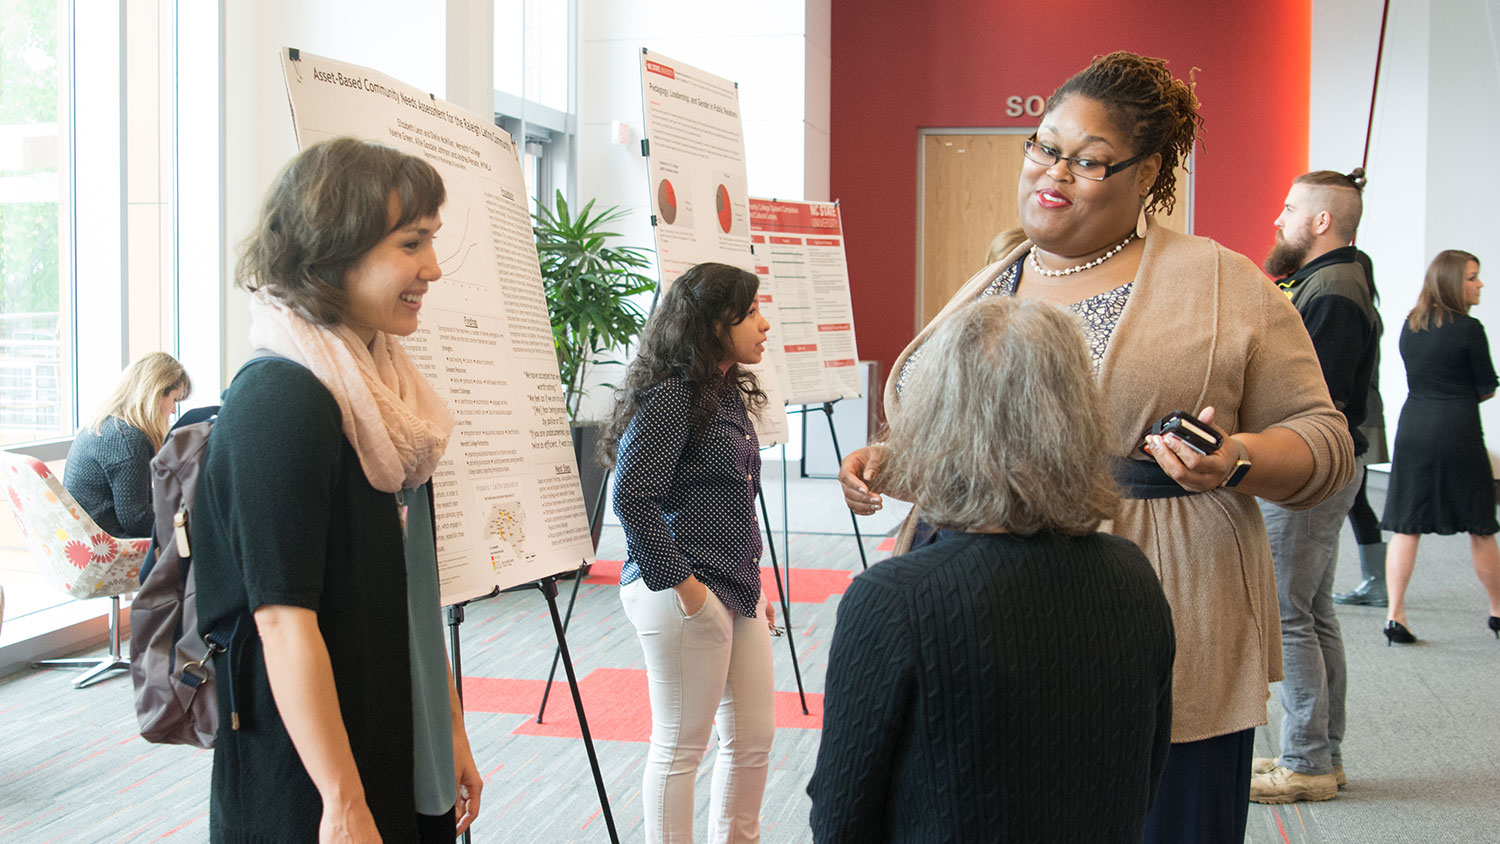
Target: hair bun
{"type": "Point", "coordinates": [1357, 177]}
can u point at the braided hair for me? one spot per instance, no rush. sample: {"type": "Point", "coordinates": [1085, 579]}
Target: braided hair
{"type": "Point", "coordinates": [1158, 112]}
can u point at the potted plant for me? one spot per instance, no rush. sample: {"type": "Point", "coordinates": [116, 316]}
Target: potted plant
{"type": "Point", "coordinates": [590, 285]}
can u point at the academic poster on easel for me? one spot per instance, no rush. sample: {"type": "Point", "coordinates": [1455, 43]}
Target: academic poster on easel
{"type": "Point", "coordinates": [700, 202]}
{"type": "Point", "coordinates": [510, 506]}
{"type": "Point", "coordinates": [799, 256]}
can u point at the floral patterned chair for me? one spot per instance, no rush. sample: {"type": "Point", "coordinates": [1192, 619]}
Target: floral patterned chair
{"type": "Point", "coordinates": [74, 554]}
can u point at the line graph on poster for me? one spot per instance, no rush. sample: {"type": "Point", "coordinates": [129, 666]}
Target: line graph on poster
{"type": "Point", "coordinates": [462, 246]}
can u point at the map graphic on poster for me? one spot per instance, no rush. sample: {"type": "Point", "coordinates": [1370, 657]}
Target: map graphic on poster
{"type": "Point", "coordinates": [799, 256]}
{"type": "Point", "coordinates": [509, 504]}
{"type": "Point", "coordinates": [699, 197]}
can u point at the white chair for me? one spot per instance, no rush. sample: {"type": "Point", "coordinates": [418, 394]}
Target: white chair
{"type": "Point", "coordinates": [74, 554]}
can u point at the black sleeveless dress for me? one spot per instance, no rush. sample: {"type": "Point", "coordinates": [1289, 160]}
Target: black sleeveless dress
{"type": "Point", "coordinates": [1440, 476]}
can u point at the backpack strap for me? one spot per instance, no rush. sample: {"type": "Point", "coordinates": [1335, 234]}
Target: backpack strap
{"type": "Point", "coordinates": [225, 636]}
{"type": "Point", "coordinates": [189, 417]}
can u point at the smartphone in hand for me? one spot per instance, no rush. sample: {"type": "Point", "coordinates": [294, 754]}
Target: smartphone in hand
{"type": "Point", "coordinates": [1199, 436]}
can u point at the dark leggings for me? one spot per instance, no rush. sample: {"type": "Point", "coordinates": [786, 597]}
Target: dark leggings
{"type": "Point", "coordinates": [1362, 517]}
{"type": "Point", "coordinates": [1204, 793]}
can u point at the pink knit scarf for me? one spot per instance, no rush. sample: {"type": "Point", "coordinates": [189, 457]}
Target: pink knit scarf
{"type": "Point", "coordinates": [397, 423]}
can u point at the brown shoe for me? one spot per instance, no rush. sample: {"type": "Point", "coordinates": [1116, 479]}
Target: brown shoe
{"type": "Point", "coordinates": [1265, 765]}
{"type": "Point", "coordinates": [1283, 785]}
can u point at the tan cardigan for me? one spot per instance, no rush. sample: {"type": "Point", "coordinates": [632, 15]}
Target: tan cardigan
{"type": "Point", "coordinates": [1202, 327]}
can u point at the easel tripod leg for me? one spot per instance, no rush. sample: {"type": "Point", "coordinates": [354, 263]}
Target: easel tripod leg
{"type": "Point", "coordinates": [549, 589]}
{"type": "Point", "coordinates": [557, 654]}
{"type": "Point", "coordinates": [573, 598]}
{"type": "Point", "coordinates": [455, 620]}
{"type": "Point", "coordinates": [786, 616]}
{"type": "Point", "coordinates": [839, 456]}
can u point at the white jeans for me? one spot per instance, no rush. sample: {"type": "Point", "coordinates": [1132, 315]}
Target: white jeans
{"type": "Point", "coordinates": [710, 669]}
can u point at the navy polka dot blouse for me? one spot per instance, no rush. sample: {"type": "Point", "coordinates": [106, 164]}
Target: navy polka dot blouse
{"type": "Point", "coordinates": [688, 505]}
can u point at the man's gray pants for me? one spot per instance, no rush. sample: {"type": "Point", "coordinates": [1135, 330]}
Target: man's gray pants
{"type": "Point", "coordinates": [1305, 548]}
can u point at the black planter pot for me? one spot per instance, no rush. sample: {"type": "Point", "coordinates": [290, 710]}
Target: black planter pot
{"type": "Point", "coordinates": [590, 473]}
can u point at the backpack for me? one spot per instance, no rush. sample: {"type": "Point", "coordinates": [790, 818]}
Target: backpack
{"type": "Point", "coordinates": [171, 666]}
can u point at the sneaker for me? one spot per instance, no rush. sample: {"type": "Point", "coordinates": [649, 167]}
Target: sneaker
{"type": "Point", "coordinates": [1283, 785]}
{"type": "Point", "coordinates": [1264, 765]}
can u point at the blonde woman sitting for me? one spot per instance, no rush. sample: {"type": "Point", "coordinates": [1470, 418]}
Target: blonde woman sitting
{"type": "Point", "coordinates": [109, 464]}
{"type": "Point", "coordinates": [1012, 682]}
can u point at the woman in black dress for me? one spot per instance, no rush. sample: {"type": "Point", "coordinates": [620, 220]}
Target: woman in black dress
{"type": "Point", "coordinates": [1440, 478]}
{"type": "Point", "coordinates": [314, 525]}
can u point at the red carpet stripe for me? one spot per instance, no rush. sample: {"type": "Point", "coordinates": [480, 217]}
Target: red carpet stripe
{"type": "Point", "coordinates": [184, 826]}
{"type": "Point", "coordinates": [1279, 827]}
{"type": "Point", "coordinates": [809, 586]}
{"type": "Point", "coordinates": [615, 700]}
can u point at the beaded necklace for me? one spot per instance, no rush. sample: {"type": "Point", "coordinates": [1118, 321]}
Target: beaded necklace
{"type": "Point", "coordinates": [1037, 265]}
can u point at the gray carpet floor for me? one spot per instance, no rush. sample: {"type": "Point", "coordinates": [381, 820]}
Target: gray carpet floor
{"type": "Point", "coordinates": [1421, 749]}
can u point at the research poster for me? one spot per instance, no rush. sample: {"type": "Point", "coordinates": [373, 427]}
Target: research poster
{"type": "Point", "coordinates": [699, 198]}
{"type": "Point", "coordinates": [799, 256]}
{"type": "Point", "coordinates": [509, 504]}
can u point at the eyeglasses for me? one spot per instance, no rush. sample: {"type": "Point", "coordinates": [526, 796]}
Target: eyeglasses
{"type": "Point", "coordinates": [1083, 168]}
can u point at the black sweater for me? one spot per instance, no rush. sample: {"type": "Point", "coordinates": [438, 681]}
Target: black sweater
{"type": "Point", "coordinates": [284, 515]}
{"type": "Point", "coordinates": [997, 688]}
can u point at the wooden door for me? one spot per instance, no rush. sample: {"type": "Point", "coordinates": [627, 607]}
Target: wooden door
{"type": "Point", "coordinates": [968, 196]}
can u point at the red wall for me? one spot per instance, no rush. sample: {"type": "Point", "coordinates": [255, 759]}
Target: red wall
{"type": "Point", "coordinates": [899, 66]}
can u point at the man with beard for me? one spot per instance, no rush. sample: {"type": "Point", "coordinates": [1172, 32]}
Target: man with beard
{"type": "Point", "coordinates": [1319, 270]}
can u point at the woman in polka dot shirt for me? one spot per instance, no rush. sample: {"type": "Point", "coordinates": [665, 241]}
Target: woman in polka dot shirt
{"type": "Point", "coordinates": [687, 470]}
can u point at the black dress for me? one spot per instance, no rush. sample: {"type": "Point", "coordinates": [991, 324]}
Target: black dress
{"type": "Point", "coordinates": [1440, 475]}
{"type": "Point", "coordinates": [285, 515]}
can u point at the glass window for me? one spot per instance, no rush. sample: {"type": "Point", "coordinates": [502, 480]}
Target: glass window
{"type": "Point", "coordinates": [34, 387]}
{"type": "Point", "coordinates": [510, 39]}
{"type": "Point", "coordinates": [547, 53]}
{"type": "Point", "coordinates": [533, 50]}
{"type": "Point", "coordinates": [88, 221]}
{"type": "Point", "coordinates": [533, 78]}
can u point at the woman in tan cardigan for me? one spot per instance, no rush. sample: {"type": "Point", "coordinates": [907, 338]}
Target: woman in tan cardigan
{"type": "Point", "coordinates": [1174, 323]}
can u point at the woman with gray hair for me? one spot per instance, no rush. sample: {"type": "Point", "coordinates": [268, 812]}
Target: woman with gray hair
{"type": "Point", "coordinates": [1012, 682]}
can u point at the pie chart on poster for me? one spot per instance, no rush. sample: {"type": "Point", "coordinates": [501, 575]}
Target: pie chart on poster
{"type": "Point", "coordinates": [666, 202]}
{"type": "Point", "coordinates": [726, 213]}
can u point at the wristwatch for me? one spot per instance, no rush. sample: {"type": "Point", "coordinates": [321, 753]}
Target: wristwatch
{"type": "Point", "coordinates": [1241, 466]}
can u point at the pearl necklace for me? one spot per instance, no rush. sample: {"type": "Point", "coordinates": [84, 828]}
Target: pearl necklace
{"type": "Point", "coordinates": [1037, 265]}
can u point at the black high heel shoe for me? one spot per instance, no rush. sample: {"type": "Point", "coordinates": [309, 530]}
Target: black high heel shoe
{"type": "Point", "coordinates": [1397, 634]}
{"type": "Point", "coordinates": [1495, 626]}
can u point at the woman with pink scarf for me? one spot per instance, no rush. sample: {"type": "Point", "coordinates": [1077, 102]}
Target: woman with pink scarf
{"type": "Point", "coordinates": [314, 528]}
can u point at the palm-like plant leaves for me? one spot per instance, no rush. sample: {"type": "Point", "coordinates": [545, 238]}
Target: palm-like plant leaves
{"type": "Point", "coordinates": [589, 286]}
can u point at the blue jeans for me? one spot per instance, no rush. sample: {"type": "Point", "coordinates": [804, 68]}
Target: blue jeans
{"type": "Point", "coordinates": [1305, 548]}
